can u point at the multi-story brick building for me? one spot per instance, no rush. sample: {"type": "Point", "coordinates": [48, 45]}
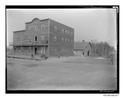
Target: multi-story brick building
{"type": "Point", "coordinates": [46, 37]}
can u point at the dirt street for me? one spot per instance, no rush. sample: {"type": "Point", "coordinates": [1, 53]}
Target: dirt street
{"type": "Point", "coordinates": [68, 73]}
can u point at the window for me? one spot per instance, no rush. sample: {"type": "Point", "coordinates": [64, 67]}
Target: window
{"type": "Point", "coordinates": [65, 40]}
{"type": "Point", "coordinates": [55, 49]}
{"type": "Point", "coordinates": [66, 31]}
{"type": "Point", "coordinates": [55, 28]}
{"type": "Point", "coordinates": [43, 27]}
{"type": "Point", "coordinates": [68, 40]}
{"type": "Point", "coordinates": [62, 30]}
{"type": "Point", "coordinates": [47, 42]}
{"type": "Point", "coordinates": [35, 38]}
{"type": "Point", "coordinates": [69, 32]}
{"type": "Point", "coordinates": [42, 37]}
{"type": "Point", "coordinates": [62, 39]}
{"type": "Point", "coordinates": [31, 28]}
{"type": "Point", "coordinates": [55, 38]}
{"type": "Point", "coordinates": [35, 28]}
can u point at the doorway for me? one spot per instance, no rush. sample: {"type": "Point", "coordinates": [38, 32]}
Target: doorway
{"type": "Point", "coordinates": [35, 38]}
{"type": "Point", "coordinates": [88, 53]}
{"type": "Point", "coordinates": [43, 50]}
{"type": "Point", "coordinates": [35, 50]}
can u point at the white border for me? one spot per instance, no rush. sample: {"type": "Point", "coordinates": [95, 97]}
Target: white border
{"type": "Point", "coordinates": [60, 2]}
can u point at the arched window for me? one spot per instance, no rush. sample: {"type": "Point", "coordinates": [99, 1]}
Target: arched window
{"type": "Point", "coordinates": [35, 38]}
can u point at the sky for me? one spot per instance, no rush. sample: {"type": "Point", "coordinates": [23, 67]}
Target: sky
{"type": "Point", "coordinates": [98, 25]}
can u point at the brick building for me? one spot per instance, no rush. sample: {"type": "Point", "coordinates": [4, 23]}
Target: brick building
{"type": "Point", "coordinates": [46, 37]}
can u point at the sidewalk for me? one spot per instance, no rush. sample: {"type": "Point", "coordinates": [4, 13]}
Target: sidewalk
{"type": "Point", "coordinates": [24, 57]}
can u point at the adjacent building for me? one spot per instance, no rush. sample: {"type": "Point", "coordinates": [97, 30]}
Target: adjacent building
{"type": "Point", "coordinates": [82, 48]}
{"type": "Point", "coordinates": [47, 37]}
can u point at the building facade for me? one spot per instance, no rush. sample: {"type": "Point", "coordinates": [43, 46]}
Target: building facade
{"type": "Point", "coordinates": [82, 48]}
{"type": "Point", "coordinates": [47, 37]}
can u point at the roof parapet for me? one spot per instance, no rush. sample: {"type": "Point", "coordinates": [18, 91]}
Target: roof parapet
{"type": "Point", "coordinates": [36, 19]}
{"type": "Point", "coordinates": [19, 31]}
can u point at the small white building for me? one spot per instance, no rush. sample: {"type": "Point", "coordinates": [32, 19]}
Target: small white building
{"type": "Point", "coordinates": [82, 48]}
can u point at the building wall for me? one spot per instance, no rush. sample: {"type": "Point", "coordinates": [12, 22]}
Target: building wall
{"type": "Point", "coordinates": [18, 37]}
{"type": "Point", "coordinates": [87, 51]}
{"type": "Point", "coordinates": [38, 29]}
{"type": "Point", "coordinates": [82, 48]}
{"type": "Point", "coordinates": [58, 38]}
{"type": "Point", "coordinates": [36, 33]}
{"type": "Point", "coordinates": [23, 50]}
{"type": "Point", "coordinates": [35, 29]}
{"type": "Point", "coordinates": [61, 39]}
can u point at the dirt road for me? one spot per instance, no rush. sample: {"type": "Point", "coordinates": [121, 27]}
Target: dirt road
{"type": "Point", "coordinates": [82, 73]}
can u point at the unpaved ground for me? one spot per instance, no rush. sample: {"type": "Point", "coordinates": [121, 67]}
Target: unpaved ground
{"type": "Point", "coordinates": [82, 73]}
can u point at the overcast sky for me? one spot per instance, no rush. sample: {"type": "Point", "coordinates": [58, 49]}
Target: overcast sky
{"type": "Point", "coordinates": [89, 24]}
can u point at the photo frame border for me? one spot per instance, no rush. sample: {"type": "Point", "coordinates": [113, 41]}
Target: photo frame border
{"type": "Point", "coordinates": [117, 7]}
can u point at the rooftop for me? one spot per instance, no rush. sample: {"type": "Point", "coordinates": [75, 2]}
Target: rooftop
{"type": "Point", "coordinates": [37, 19]}
{"type": "Point", "coordinates": [19, 31]}
{"type": "Point", "coordinates": [41, 20]}
{"type": "Point", "coordinates": [45, 20]}
{"type": "Point", "coordinates": [81, 45]}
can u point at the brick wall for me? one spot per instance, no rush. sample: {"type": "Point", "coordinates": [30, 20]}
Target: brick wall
{"type": "Point", "coordinates": [61, 39]}
{"type": "Point", "coordinates": [58, 37]}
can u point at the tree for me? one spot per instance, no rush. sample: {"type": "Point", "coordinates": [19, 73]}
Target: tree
{"type": "Point", "coordinates": [101, 49]}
